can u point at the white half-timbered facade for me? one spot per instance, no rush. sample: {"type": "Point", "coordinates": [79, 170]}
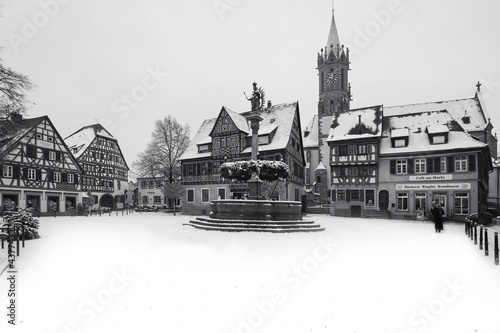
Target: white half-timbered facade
{"type": "Point", "coordinates": [105, 170]}
{"type": "Point", "coordinates": [37, 169]}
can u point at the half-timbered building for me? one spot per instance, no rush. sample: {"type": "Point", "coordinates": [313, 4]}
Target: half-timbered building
{"type": "Point", "coordinates": [354, 146]}
{"type": "Point", "coordinates": [228, 138]}
{"type": "Point", "coordinates": [105, 169]}
{"type": "Point", "coordinates": [38, 170]}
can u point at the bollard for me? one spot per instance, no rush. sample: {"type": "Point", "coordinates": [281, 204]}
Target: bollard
{"type": "Point", "coordinates": [496, 248]}
{"type": "Point", "coordinates": [100, 212]}
{"type": "Point", "coordinates": [55, 213]}
{"type": "Point", "coordinates": [481, 238]}
{"type": "Point", "coordinates": [466, 226]}
{"type": "Point", "coordinates": [17, 241]}
{"type": "Point", "coordinates": [110, 212]}
{"type": "Point", "coordinates": [486, 250]}
{"type": "Point", "coordinates": [471, 231]}
{"type": "Point", "coordinates": [24, 237]}
{"type": "Point", "coordinates": [475, 234]}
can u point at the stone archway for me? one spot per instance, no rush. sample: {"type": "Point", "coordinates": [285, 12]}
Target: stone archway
{"type": "Point", "coordinates": [106, 200]}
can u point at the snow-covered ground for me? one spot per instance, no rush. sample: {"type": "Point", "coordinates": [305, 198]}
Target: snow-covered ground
{"type": "Point", "coordinates": [149, 273]}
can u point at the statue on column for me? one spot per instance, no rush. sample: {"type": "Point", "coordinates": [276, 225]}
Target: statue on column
{"type": "Point", "coordinates": [258, 98]}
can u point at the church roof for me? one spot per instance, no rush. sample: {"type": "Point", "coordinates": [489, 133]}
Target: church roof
{"type": "Point", "coordinates": [310, 134]}
{"type": "Point", "coordinates": [333, 37]}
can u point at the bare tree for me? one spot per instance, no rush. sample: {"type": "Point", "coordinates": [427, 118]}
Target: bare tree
{"type": "Point", "coordinates": [13, 89]}
{"type": "Point", "coordinates": [160, 161]}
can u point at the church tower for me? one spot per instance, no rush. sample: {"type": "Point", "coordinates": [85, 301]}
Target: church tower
{"type": "Point", "coordinates": [334, 88]}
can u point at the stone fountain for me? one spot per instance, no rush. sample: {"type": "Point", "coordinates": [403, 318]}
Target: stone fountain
{"type": "Point", "coordinates": [255, 214]}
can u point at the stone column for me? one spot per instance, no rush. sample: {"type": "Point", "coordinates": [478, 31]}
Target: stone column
{"type": "Point", "coordinates": [254, 182]}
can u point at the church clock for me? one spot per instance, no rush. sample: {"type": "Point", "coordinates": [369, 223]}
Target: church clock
{"type": "Point", "coordinates": [331, 77]}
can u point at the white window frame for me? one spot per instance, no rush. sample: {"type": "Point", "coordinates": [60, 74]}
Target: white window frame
{"type": "Point", "coordinates": [401, 167]}
{"type": "Point", "coordinates": [461, 163]}
{"type": "Point", "coordinates": [71, 178]}
{"type": "Point", "coordinates": [443, 164]}
{"type": "Point", "coordinates": [31, 174]}
{"type": "Point", "coordinates": [207, 189]}
{"type": "Point", "coordinates": [52, 155]}
{"type": "Point", "coordinates": [399, 143]}
{"type": "Point", "coordinates": [8, 171]}
{"type": "Point", "coordinates": [404, 197]}
{"type": "Point", "coordinates": [187, 195]}
{"type": "Point", "coordinates": [462, 196]}
{"type": "Point", "coordinates": [218, 191]}
{"type": "Point", "coordinates": [420, 165]}
{"type": "Point", "coordinates": [57, 177]}
{"type": "Point", "coordinates": [438, 139]}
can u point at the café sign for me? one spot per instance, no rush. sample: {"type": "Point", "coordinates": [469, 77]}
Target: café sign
{"type": "Point", "coordinates": [430, 177]}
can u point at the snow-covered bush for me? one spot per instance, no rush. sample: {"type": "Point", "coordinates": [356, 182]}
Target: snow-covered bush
{"type": "Point", "coordinates": [265, 170]}
{"type": "Point", "coordinates": [30, 224]}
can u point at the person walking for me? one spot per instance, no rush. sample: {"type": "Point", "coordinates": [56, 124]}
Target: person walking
{"type": "Point", "coordinates": [437, 217]}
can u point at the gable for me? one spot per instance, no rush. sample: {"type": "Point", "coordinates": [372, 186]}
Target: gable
{"type": "Point", "coordinates": [229, 122]}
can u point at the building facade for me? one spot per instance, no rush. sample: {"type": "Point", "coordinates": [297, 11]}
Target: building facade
{"type": "Point", "coordinates": [38, 169]}
{"type": "Point", "coordinates": [105, 175]}
{"type": "Point", "coordinates": [227, 138]}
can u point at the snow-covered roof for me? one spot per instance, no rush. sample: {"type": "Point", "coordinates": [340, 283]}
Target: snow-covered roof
{"type": "Point", "coordinates": [79, 141]}
{"type": "Point", "coordinates": [320, 166]}
{"type": "Point", "coordinates": [400, 133]}
{"type": "Point", "coordinates": [355, 124]}
{"type": "Point", "coordinates": [437, 129]}
{"type": "Point", "coordinates": [310, 134]}
{"type": "Point", "coordinates": [277, 119]}
{"type": "Point", "coordinates": [474, 108]}
{"type": "Point", "coordinates": [419, 140]}
{"type": "Point", "coordinates": [11, 132]}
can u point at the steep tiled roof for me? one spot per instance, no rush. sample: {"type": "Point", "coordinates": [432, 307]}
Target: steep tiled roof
{"type": "Point", "coordinates": [82, 138]}
{"type": "Point", "coordinates": [311, 139]}
{"type": "Point", "coordinates": [456, 108]}
{"type": "Point", "coordinates": [11, 132]}
{"type": "Point", "coordinates": [355, 124]}
{"type": "Point", "coordinates": [416, 125]}
{"type": "Point", "coordinates": [277, 119]}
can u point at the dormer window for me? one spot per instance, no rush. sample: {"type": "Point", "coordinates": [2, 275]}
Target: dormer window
{"type": "Point", "coordinates": [438, 134]}
{"type": "Point", "coordinates": [204, 148]}
{"type": "Point", "coordinates": [264, 140]}
{"type": "Point", "coordinates": [400, 137]}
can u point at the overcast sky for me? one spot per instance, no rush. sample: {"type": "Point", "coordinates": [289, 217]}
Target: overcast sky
{"type": "Point", "coordinates": [126, 63]}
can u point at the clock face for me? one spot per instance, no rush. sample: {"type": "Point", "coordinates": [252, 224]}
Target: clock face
{"type": "Point", "coordinates": [331, 77]}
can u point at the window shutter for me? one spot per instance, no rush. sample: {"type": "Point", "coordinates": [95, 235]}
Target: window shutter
{"type": "Point", "coordinates": [349, 150]}
{"type": "Point", "coordinates": [15, 171]}
{"type": "Point", "coordinates": [430, 165]}
{"type": "Point", "coordinates": [472, 162]}
{"type": "Point", "coordinates": [46, 154]}
{"type": "Point", "coordinates": [437, 164]}
{"type": "Point", "coordinates": [38, 174]}
{"type": "Point", "coordinates": [393, 167]}
{"type": "Point", "coordinates": [451, 164]}
{"type": "Point", "coordinates": [348, 195]}
{"type": "Point", "coordinates": [64, 177]}
{"type": "Point", "coordinates": [51, 176]}
{"type": "Point", "coordinates": [209, 168]}
{"type": "Point", "coordinates": [24, 173]}
{"type": "Point", "coordinates": [362, 195]}
{"type": "Point", "coordinates": [411, 166]}
{"type": "Point", "coordinates": [334, 195]}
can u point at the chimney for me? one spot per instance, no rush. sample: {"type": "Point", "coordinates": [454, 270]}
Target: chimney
{"type": "Point", "coordinates": [269, 104]}
{"type": "Point", "coordinates": [466, 118]}
{"type": "Point", "coordinates": [16, 117]}
{"type": "Point", "coordinates": [306, 132]}
{"type": "Point", "coordinates": [359, 127]}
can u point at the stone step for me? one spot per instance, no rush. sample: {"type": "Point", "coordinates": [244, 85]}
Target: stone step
{"type": "Point", "coordinates": [254, 228]}
{"type": "Point", "coordinates": [256, 225]}
{"type": "Point", "coordinates": [257, 222]}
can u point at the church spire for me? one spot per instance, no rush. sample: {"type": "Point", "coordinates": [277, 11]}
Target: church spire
{"type": "Point", "coordinates": [333, 42]}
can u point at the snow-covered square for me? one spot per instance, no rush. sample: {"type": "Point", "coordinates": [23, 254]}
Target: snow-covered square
{"type": "Point", "coordinates": [149, 272]}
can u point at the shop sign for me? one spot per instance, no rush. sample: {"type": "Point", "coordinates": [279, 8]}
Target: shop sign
{"type": "Point", "coordinates": [434, 186]}
{"type": "Point", "coordinates": [430, 177]}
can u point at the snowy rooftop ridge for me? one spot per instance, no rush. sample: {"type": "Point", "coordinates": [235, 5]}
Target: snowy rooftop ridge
{"type": "Point", "coordinates": [278, 119]}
